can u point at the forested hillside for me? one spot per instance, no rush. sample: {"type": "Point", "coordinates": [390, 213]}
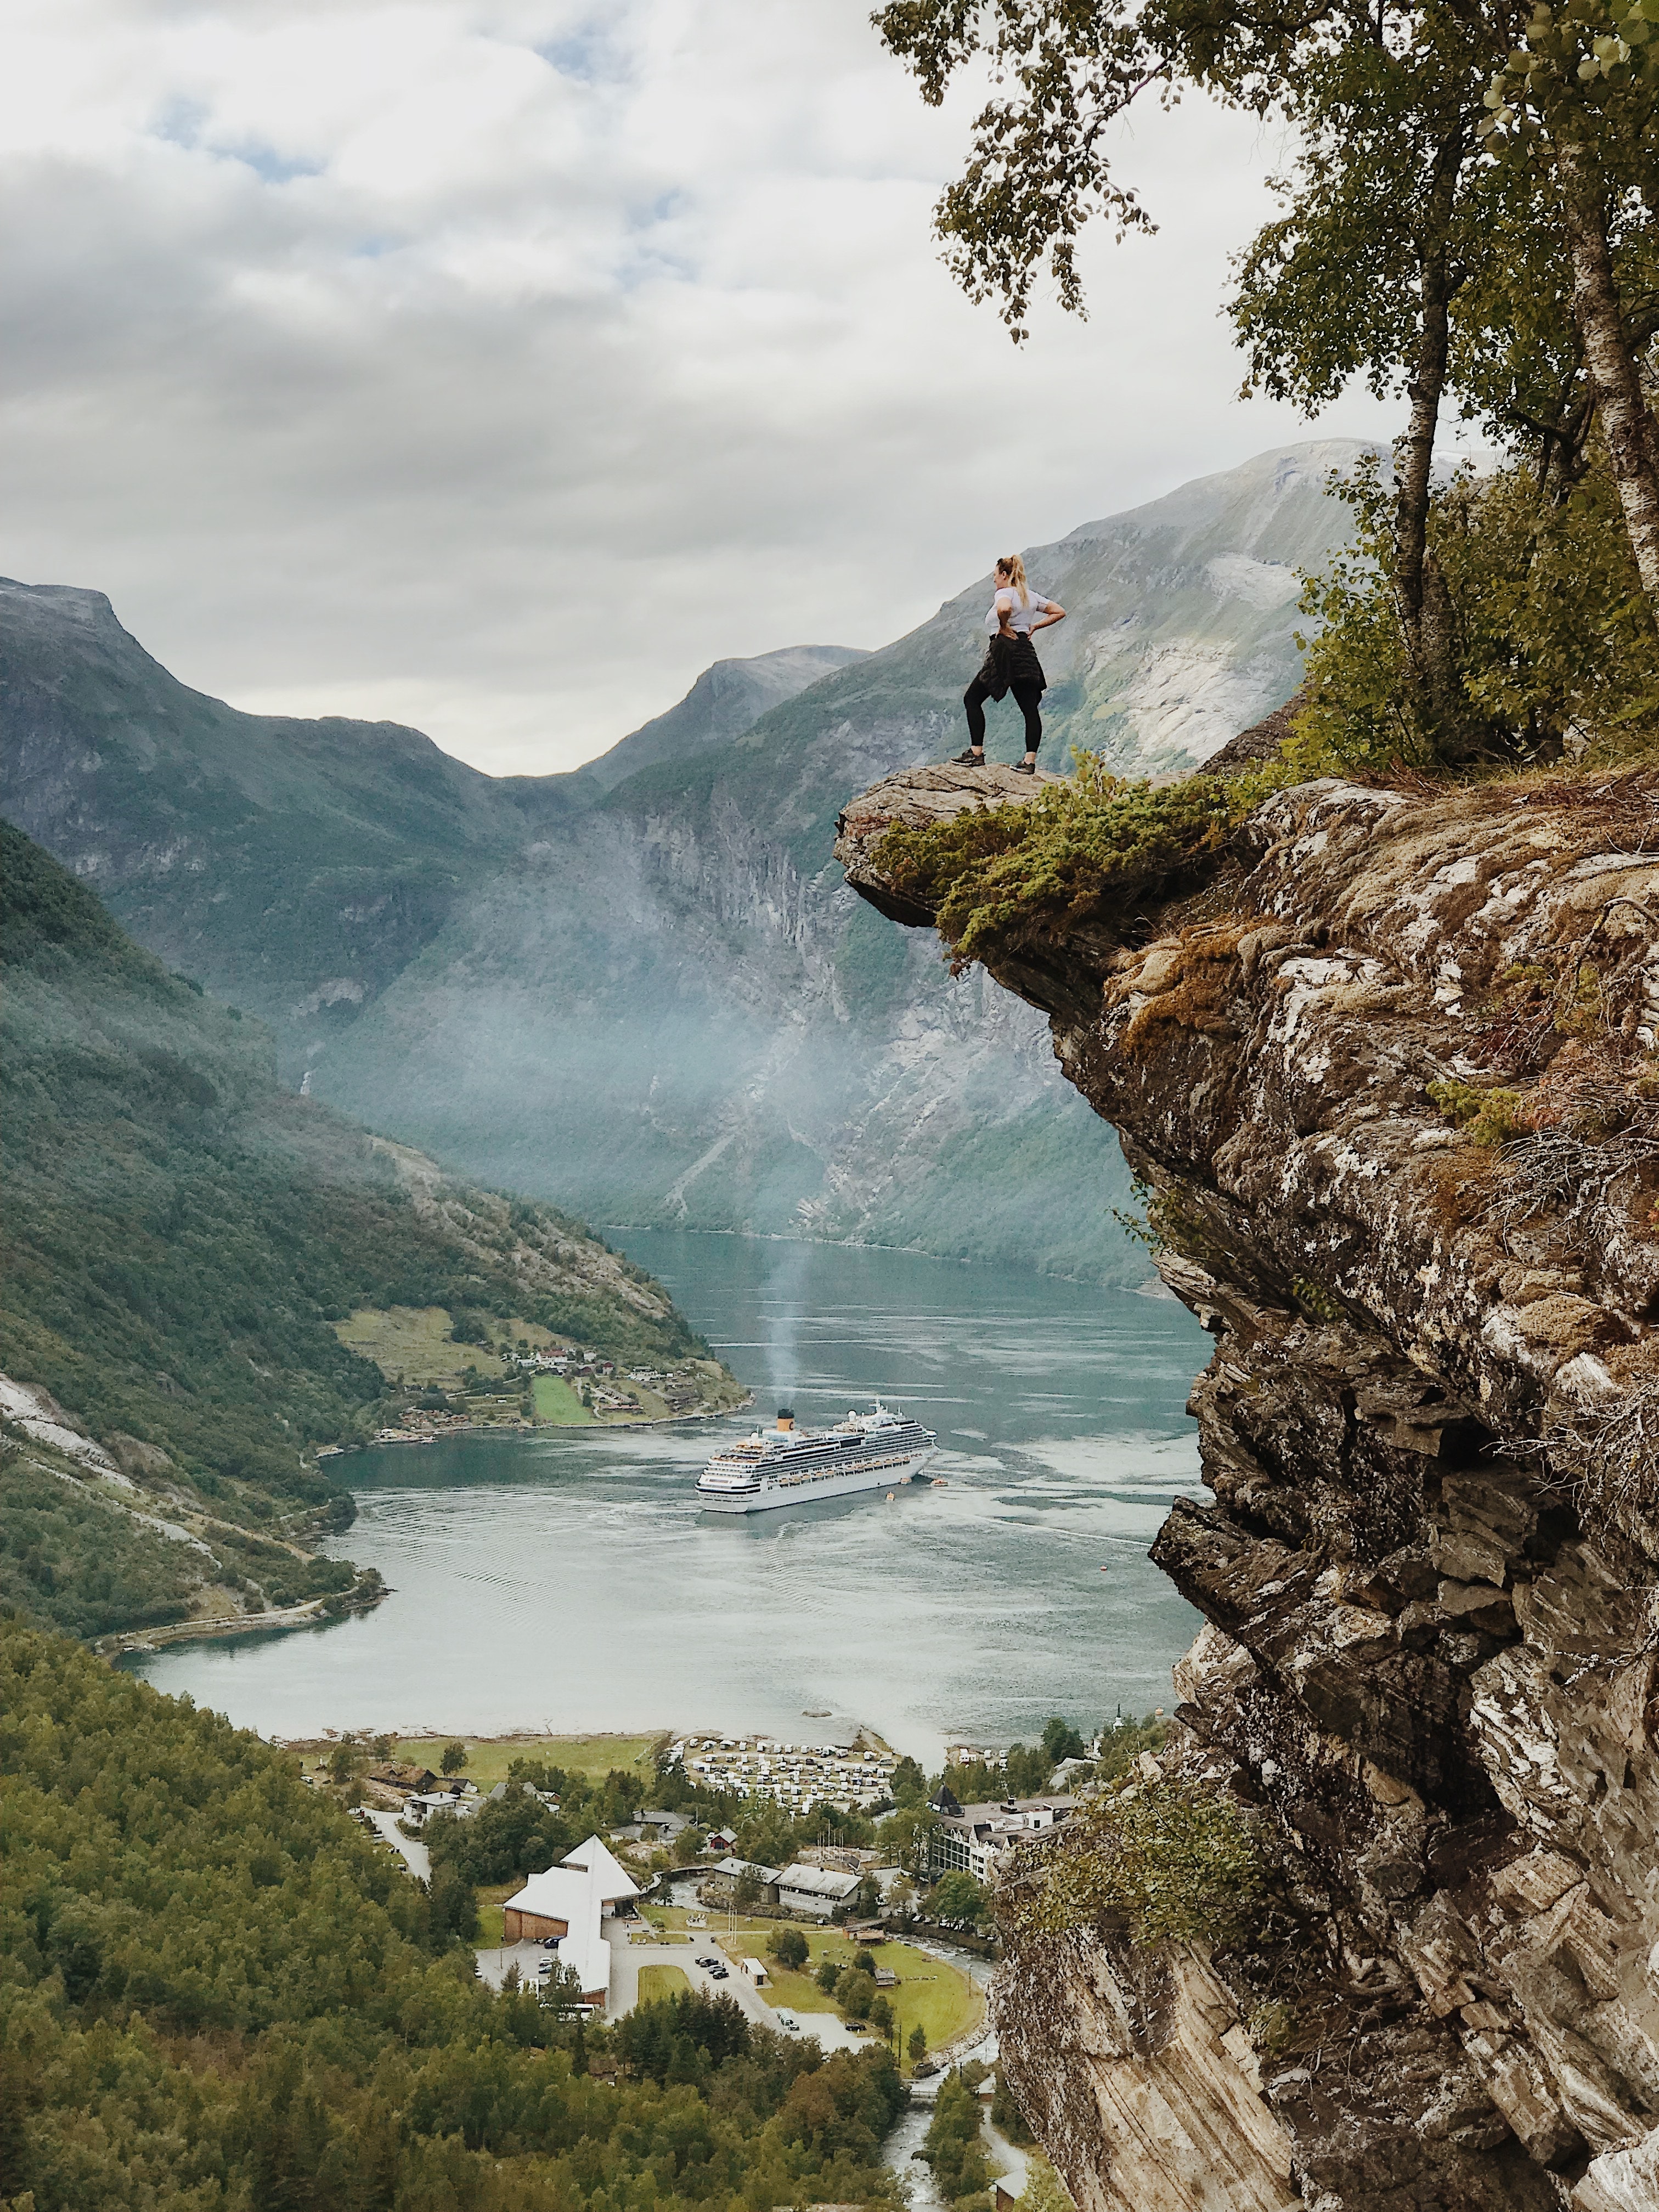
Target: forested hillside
{"type": "Point", "coordinates": [181, 1234]}
{"type": "Point", "coordinates": [215, 1991]}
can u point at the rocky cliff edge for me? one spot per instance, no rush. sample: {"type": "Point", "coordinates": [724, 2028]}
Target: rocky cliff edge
{"type": "Point", "coordinates": [1386, 1063]}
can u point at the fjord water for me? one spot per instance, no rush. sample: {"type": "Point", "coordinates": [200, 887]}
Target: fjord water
{"type": "Point", "coordinates": [566, 1581]}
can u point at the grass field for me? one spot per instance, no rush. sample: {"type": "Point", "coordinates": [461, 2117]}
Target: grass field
{"type": "Point", "coordinates": [672, 1920]}
{"type": "Point", "coordinates": [930, 1990]}
{"type": "Point", "coordinates": [413, 1342]}
{"type": "Point", "coordinates": [489, 1759]}
{"type": "Point", "coordinates": [556, 1401]}
{"type": "Point", "coordinates": [660, 1982]}
{"type": "Point", "coordinates": [490, 1901]}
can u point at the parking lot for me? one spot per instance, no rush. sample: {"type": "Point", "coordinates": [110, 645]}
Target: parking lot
{"type": "Point", "coordinates": [627, 1957]}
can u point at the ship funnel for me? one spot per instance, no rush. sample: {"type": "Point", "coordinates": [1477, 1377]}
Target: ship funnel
{"type": "Point", "coordinates": [785, 1417]}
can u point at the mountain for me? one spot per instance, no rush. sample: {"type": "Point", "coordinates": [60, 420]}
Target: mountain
{"type": "Point", "coordinates": [183, 1238]}
{"type": "Point", "coordinates": [648, 996]}
{"type": "Point", "coordinates": [295, 866]}
{"type": "Point", "coordinates": [726, 699]}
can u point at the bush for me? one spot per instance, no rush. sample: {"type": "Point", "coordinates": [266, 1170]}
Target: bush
{"type": "Point", "coordinates": [1489, 1117]}
{"type": "Point", "coordinates": [1175, 1863]}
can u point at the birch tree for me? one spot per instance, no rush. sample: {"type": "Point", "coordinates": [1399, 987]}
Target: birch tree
{"type": "Point", "coordinates": [1358, 277]}
{"type": "Point", "coordinates": [1567, 118]}
{"type": "Point", "coordinates": [1575, 104]}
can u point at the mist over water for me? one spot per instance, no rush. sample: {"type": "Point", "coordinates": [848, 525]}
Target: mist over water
{"type": "Point", "coordinates": [568, 1580]}
{"type": "Point", "coordinates": [782, 1301]}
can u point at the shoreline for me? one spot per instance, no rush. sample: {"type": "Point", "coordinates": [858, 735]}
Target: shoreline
{"type": "Point", "coordinates": [314, 1612]}
{"type": "Point", "coordinates": [310, 1613]}
{"type": "Point", "coordinates": [539, 1429]}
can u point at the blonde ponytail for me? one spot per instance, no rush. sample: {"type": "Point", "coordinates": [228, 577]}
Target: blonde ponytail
{"type": "Point", "coordinates": [1014, 568]}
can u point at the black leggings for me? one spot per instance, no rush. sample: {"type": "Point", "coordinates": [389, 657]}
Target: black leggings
{"type": "Point", "coordinates": [1027, 697]}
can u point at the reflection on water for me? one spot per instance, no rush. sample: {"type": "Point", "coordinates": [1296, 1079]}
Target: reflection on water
{"type": "Point", "coordinates": [568, 1581]}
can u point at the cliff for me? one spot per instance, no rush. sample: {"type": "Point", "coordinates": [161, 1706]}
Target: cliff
{"type": "Point", "coordinates": [1385, 1060]}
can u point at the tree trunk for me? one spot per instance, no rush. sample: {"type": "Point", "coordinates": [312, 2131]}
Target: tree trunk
{"type": "Point", "coordinates": [1415, 452]}
{"type": "Point", "coordinates": [1609, 357]}
{"type": "Point", "coordinates": [1426, 645]}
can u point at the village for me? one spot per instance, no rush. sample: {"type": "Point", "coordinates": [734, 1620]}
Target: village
{"type": "Point", "coordinates": [794, 1775]}
{"type": "Point", "coordinates": [450, 1373]}
{"type": "Point", "coordinates": [829, 1946]}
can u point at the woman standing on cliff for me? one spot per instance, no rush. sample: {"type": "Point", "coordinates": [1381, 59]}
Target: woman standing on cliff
{"type": "Point", "coordinates": [1011, 663]}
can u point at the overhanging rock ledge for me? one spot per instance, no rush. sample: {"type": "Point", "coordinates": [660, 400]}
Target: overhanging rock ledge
{"type": "Point", "coordinates": [1427, 1426]}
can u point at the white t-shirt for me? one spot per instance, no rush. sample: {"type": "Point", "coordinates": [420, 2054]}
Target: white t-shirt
{"type": "Point", "coordinates": [1020, 618]}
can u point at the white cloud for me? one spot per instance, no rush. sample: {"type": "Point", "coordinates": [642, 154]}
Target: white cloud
{"type": "Point", "coordinates": [496, 367]}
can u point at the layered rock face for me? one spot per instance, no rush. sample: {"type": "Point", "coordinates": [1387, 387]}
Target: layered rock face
{"type": "Point", "coordinates": [1426, 1573]}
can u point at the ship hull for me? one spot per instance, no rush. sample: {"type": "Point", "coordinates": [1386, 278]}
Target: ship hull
{"type": "Point", "coordinates": [807, 1487]}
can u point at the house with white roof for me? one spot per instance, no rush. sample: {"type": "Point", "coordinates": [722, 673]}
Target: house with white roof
{"type": "Point", "coordinates": [722, 1880]}
{"type": "Point", "coordinates": [816, 1891]}
{"type": "Point", "coordinates": [571, 1902]}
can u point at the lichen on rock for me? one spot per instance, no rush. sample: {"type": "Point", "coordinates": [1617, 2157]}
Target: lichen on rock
{"type": "Point", "coordinates": [1385, 1060]}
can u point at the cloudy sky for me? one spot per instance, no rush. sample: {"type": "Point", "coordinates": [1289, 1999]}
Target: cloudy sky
{"type": "Point", "coordinates": [496, 367]}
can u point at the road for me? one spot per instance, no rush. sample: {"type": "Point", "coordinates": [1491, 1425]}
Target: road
{"type": "Point", "coordinates": [415, 1856]}
{"type": "Point", "coordinates": [627, 1958]}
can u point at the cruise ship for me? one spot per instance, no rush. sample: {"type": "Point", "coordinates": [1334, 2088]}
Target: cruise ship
{"type": "Point", "coordinates": [787, 1465]}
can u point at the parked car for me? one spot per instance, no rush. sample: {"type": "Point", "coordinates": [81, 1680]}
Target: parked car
{"type": "Point", "coordinates": [549, 1942]}
{"type": "Point", "coordinates": [719, 1974]}
{"type": "Point", "coordinates": [788, 2023]}
{"type": "Point", "coordinates": [710, 1963]}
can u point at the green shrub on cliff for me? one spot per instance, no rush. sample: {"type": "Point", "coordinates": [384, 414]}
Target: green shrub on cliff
{"type": "Point", "coordinates": [1490, 1116]}
{"type": "Point", "coordinates": [1088, 849]}
{"type": "Point", "coordinates": [1177, 1863]}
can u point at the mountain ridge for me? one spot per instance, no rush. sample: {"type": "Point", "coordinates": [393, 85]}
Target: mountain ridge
{"type": "Point", "coordinates": [653, 999]}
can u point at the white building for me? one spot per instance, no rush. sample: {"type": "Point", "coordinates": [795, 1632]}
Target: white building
{"type": "Point", "coordinates": [571, 1903]}
{"type": "Point", "coordinates": [815, 1891]}
{"type": "Point", "coordinates": [971, 1838]}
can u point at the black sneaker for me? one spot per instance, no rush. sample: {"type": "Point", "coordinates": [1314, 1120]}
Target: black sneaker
{"type": "Point", "coordinates": [969, 758]}
{"type": "Point", "coordinates": [1024, 768]}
